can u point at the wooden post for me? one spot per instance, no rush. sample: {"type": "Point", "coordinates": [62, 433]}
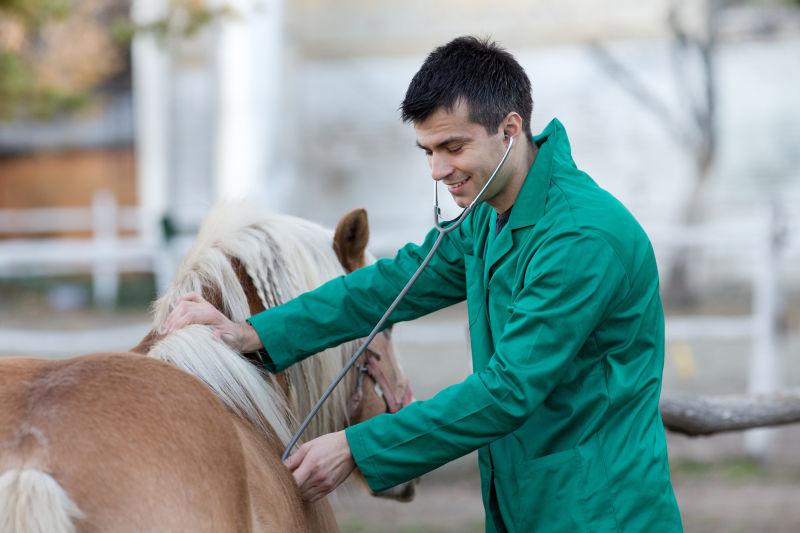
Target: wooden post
{"type": "Point", "coordinates": [249, 57]}
{"type": "Point", "coordinates": [151, 109]}
{"type": "Point", "coordinates": [105, 275]}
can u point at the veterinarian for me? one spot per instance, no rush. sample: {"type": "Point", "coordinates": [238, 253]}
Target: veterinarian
{"type": "Point", "coordinates": [566, 323]}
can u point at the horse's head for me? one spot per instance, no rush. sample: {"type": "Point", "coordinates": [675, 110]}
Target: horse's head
{"type": "Point", "coordinates": [243, 262]}
{"type": "Point", "coordinates": [381, 386]}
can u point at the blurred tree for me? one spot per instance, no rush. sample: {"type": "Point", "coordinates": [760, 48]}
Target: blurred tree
{"type": "Point", "coordinates": [57, 56]}
{"type": "Point", "coordinates": [694, 58]}
{"type": "Point", "coordinates": [695, 129]}
{"type": "Point", "coordinates": [35, 11]}
{"type": "Point", "coordinates": [55, 53]}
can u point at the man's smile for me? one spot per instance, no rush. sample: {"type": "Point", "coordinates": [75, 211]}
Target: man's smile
{"type": "Point", "coordinates": [457, 186]}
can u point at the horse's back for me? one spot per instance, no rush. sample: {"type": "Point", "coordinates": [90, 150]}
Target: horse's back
{"type": "Point", "coordinates": [137, 444]}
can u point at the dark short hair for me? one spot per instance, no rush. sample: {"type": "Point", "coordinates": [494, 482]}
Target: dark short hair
{"type": "Point", "coordinates": [479, 72]}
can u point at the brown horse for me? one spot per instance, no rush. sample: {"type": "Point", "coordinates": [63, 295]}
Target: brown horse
{"type": "Point", "coordinates": [183, 433]}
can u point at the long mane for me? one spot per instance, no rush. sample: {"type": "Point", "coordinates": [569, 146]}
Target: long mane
{"type": "Point", "coordinates": [283, 256]}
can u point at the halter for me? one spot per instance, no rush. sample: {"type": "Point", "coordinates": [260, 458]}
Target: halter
{"type": "Point", "coordinates": [369, 367]}
{"type": "Point", "coordinates": [383, 388]}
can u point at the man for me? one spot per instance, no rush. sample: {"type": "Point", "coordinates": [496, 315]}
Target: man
{"type": "Point", "coordinates": [564, 313]}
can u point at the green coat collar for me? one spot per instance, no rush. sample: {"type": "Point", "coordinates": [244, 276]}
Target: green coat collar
{"type": "Point", "coordinates": [529, 205]}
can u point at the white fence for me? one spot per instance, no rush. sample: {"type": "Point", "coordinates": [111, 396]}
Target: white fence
{"type": "Point", "coordinates": [105, 254]}
{"type": "Point", "coordinates": [763, 243]}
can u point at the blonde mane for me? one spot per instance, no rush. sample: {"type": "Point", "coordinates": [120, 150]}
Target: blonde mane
{"type": "Point", "coordinates": [283, 256]}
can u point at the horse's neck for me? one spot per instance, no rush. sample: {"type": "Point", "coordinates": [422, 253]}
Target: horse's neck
{"type": "Point", "coordinates": [303, 383]}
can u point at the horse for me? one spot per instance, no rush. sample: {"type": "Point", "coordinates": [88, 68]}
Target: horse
{"type": "Point", "coordinates": [182, 433]}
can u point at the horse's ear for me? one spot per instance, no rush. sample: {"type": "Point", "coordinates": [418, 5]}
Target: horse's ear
{"type": "Point", "coordinates": [350, 239]}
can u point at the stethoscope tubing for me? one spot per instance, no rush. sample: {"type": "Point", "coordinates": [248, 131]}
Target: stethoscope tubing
{"type": "Point", "coordinates": [443, 228]}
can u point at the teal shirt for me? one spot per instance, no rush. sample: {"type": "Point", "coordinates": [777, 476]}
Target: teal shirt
{"type": "Point", "coordinates": [567, 337]}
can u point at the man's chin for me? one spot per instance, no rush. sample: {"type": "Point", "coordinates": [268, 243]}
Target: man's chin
{"type": "Point", "coordinates": [462, 201]}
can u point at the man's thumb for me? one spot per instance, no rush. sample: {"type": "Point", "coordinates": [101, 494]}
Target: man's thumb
{"type": "Point", "coordinates": [294, 460]}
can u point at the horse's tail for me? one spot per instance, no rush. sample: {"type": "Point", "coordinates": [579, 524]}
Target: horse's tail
{"type": "Point", "coordinates": [31, 501]}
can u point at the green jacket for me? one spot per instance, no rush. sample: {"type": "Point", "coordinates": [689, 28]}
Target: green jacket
{"type": "Point", "coordinates": [567, 335]}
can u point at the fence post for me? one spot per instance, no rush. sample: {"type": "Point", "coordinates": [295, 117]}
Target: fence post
{"type": "Point", "coordinates": [151, 90]}
{"type": "Point", "coordinates": [163, 266]}
{"type": "Point", "coordinates": [764, 376]}
{"type": "Point", "coordinates": [105, 275]}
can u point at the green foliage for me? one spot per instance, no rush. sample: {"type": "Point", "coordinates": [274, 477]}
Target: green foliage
{"type": "Point", "coordinates": [20, 95]}
{"type": "Point", "coordinates": [183, 21]}
{"type": "Point", "coordinates": [123, 30]}
{"type": "Point", "coordinates": [23, 95]}
{"type": "Point", "coordinates": [35, 12]}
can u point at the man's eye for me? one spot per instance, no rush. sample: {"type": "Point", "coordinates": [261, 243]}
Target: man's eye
{"type": "Point", "coordinates": [455, 149]}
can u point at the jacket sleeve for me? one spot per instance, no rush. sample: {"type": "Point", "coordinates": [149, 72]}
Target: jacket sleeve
{"type": "Point", "coordinates": [570, 284]}
{"type": "Point", "coordinates": [348, 307]}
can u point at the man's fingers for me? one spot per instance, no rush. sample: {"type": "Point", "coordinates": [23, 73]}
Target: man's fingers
{"type": "Point", "coordinates": [191, 312]}
{"type": "Point", "coordinates": [320, 465]}
{"type": "Point", "coordinates": [169, 324]}
{"type": "Point", "coordinates": [182, 322]}
{"type": "Point", "coordinates": [174, 316]}
{"type": "Point", "coordinates": [191, 297]}
{"type": "Point", "coordinates": [314, 494]}
{"type": "Point", "coordinates": [294, 460]}
{"type": "Point", "coordinates": [315, 488]}
{"type": "Point", "coordinates": [183, 304]}
{"type": "Point", "coordinates": [302, 476]}
{"type": "Point", "coordinates": [186, 317]}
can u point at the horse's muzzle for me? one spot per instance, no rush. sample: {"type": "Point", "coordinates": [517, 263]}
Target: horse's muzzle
{"type": "Point", "coordinates": [404, 492]}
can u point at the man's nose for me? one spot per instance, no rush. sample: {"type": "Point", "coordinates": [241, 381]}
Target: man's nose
{"type": "Point", "coordinates": [440, 167]}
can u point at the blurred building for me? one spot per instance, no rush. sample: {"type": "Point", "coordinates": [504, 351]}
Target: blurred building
{"type": "Point", "coordinates": [63, 162]}
{"type": "Point", "coordinates": [66, 128]}
{"type": "Point", "coordinates": [296, 104]}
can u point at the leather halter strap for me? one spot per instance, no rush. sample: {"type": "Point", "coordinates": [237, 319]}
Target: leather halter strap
{"type": "Point", "coordinates": [383, 388]}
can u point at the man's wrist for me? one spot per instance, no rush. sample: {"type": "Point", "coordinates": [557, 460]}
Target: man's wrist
{"type": "Point", "coordinates": [251, 342]}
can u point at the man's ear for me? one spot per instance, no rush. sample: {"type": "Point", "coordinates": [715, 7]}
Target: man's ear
{"type": "Point", "coordinates": [512, 124]}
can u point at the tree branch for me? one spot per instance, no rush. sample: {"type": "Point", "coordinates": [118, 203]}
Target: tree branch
{"type": "Point", "coordinates": [695, 415]}
{"type": "Point", "coordinates": [631, 83]}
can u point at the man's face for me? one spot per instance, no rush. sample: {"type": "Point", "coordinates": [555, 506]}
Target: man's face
{"type": "Point", "coordinates": [461, 153]}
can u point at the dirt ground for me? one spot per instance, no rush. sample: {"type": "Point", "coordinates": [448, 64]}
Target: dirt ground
{"type": "Point", "coordinates": [719, 489]}
{"type": "Point", "coordinates": [733, 496]}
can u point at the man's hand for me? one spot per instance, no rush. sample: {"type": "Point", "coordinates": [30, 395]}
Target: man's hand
{"type": "Point", "coordinates": [321, 465]}
{"type": "Point", "coordinates": [193, 309]}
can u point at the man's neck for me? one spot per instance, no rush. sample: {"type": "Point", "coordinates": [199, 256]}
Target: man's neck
{"type": "Point", "coordinates": [503, 201]}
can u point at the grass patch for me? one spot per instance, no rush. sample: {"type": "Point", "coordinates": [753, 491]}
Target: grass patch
{"type": "Point", "coordinates": [733, 470]}
{"type": "Point", "coordinates": [135, 291]}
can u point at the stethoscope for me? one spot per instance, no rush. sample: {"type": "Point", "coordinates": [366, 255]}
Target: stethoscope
{"type": "Point", "coordinates": [444, 227]}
